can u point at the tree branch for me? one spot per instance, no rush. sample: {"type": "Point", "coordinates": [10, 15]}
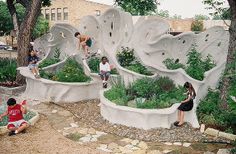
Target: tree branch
{"type": "Point", "coordinates": [12, 9]}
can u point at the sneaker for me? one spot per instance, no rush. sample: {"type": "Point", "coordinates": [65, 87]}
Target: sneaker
{"type": "Point", "coordinates": [105, 85]}
{"type": "Point", "coordinates": [11, 133]}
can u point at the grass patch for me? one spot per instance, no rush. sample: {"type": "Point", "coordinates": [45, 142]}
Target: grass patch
{"type": "Point", "coordinates": [74, 136]}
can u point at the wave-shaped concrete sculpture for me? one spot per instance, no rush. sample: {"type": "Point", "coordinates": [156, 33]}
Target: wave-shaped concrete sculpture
{"type": "Point", "coordinates": [152, 43]}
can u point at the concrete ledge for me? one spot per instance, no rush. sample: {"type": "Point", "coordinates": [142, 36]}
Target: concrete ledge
{"type": "Point", "coordinates": [227, 136]}
{"type": "Point", "coordinates": [12, 91]}
{"type": "Point", "coordinates": [32, 121]}
{"type": "Point", "coordinates": [139, 118]}
{"type": "Point", "coordinates": [212, 132]}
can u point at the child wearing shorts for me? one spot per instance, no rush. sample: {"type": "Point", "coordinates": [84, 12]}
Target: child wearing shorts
{"type": "Point", "coordinates": [16, 122]}
{"type": "Point", "coordinates": [33, 66]}
{"type": "Point", "coordinates": [105, 70]}
{"type": "Point", "coordinates": [85, 41]}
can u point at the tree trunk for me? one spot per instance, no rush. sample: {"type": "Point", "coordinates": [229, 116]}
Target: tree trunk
{"type": "Point", "coordinates": [12, 10]}
{"type": "Point", "coordinates": [231, 57]}
{"type": "Point", "coordinates": [24, 37]}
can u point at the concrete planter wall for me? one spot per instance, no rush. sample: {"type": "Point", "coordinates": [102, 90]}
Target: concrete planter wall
{"type": "Point", "coordinates": [12, 91]}
{"type": "Point", "coordinates": [139, 118]}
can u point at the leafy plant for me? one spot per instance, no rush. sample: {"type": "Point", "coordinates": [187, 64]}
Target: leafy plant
{"type": "Point", "coordinates": [71, 72]}
{"type": "Point", "coordinates": [197, 25]}
{"type": "Point", "coordinates": [127, 59]}
{"type": "Point", "coordinates": [93, 64]}
{"type": "Point", "coordinates": [196, 65]}
{"type": "Point", "coordinates": [7, 70]}
{"type": "Point", "coordinates": [51, 61]}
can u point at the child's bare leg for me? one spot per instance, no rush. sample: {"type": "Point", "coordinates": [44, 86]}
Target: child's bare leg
{"type": "Point", "coordinates": [37, 70]}
{"type": "Point", "coordinates": [22, 127]}
{"type": "Point", "coordinates": [12, 128]}
{"type": "Point", "coordinates": [106, 78]}
{"type": "Point", "coordinates": [178, 115]}
{"type": "Point", "coordinates": [33, 71]}
{"type": "Point", "coordinates": [181, 118]}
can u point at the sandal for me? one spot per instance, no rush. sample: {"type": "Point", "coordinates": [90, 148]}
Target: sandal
{"type": "Point", "coordinates": [176, 123]}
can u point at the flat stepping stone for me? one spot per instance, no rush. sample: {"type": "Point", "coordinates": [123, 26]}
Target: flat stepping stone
{"type": "Point", "coordinates": [186, 144]}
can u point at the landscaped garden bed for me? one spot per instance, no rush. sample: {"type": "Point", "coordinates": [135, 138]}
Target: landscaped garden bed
{"type": "Point", "coordinates": [127, 59]}
{"type": "Point", "coordinates": [72, 71]}
{"type": "Point", "coordinates": [50, 61]}
{"type": "Point", "coordinates": [196, 65]}
{"type": "Point", "coordinates": [147, 93]}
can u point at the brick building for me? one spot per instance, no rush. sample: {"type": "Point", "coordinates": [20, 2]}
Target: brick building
{"type": "Point", "coordinates": [71, 11]}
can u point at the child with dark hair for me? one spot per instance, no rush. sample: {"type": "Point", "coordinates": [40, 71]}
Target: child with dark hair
{"type": "Point", "coordinates": [33, 60]}
{"type": "Point", "coordinates": [187, 104]}
{"type": "Point", "coordinates": [16, 122]}
{"type": "Point", "coordinates": [85, 41]}
{"type": "Point", "coordinates": [105, 69]}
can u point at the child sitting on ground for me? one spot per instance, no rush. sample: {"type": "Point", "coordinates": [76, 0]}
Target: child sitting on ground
{"type": "Point", "coordinates": [32, 60]}
{"type": "Point", "coordinates": [105, 69]}
{"type": "Point", "coordinates": [16, 122]}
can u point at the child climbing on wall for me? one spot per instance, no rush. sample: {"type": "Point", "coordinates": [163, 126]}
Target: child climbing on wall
{"type": "Point", "coordinates": [33, 60]}
{"type": "Point", "coordinates": [16, 122]}
{"type": "Point", "coordinates": [85, 41]}
{"type": "Point", "coordinates": [105, 69]}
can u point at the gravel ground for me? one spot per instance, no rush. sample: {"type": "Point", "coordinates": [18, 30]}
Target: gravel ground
{"type": "Point", "coordinates": [42, 138]}
{"type": "Point", "coordinates": [88, 114]}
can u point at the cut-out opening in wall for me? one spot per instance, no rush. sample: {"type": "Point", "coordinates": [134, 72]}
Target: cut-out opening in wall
{"type": "Point", "coordinates": [163, 54]}
{"type": "Point", "coordinates": [184, 41]}
{"type": "Point", "coordinates": [207, 35]}
{"type": "Point", "coordinates": [177, 61]}
{"type": "Point", "coordinates": [110, 34]}
{"type": "Point", "coordinates": [206, 40]}
{"type": "Point", "coordinates": [219, 44]}
{"type": "Point", "coordinates": [104, 21]}
{"type": "Point", "coordinates": [97, 27]}
{"type": "Point", "coordinates": [112, 25]}
{"type": "Point", "coordinates": [179, 38]}
{"type": "Point", "coordinates": [113, 42]}
{"type": "Point", "coordinates": [85, 27]}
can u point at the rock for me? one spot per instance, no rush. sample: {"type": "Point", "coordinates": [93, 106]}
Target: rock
{"type": "Point", "coordinates": [94, 139]}
{"type": "Point", "coordinates": [167, 151]}
{"type": "Point", "coordinates": [135, 142]}
{"type": "Point", "coordinates": [129, 146]}
{"type": "Point", "coordinates": [202, 128]}
{"type": "Point", "coordinates": [139, 152]}
{"type": "Point", "coordinates": [212, 132]}
{"type": "Point", "coordinates": [223, 151]}
{"type": "Point", "coordinates": [104, 149]}
{"type": "Point", "coordinates": [177, 143]}
{"type": "Point", "coordinates": [67, 128]}
{"type": "Point", "coordinates": [227, 136]}
{"type": "Point", "coordinates": [208, 152]}
{"type": "Point", "coordinates": [135, 148]}
{"type": "Point", "coordinates": [65, 133]}
{"type": "Point", "coordinates": [103, 146]}
{"type": "Point", "coordinates": [92, 131]}
{"type": "Point", "coordinates": [100, 133]}
{"type": "Point", "coordinates": [54, 111]}
{"type": "Point", "coordinates": [96, 136]}
{"type": "Point", "coordinates": [83, 131]}
{"type": "Point", "coordinates": [64, 113]}
{"type": "Point", "coordinates": [113, 146]}
{"type": "Point", "coordinates": [127, 140]}
{"type": "Point", "coordinates": [143, 145]}
{"type": "Point", "coordinates": [168, 143]}
{"type": "Point", "coordinates": [154, 152]}
{"type": "Point", "coordinates": [85, 139]}
{"type": "Point", "coordinates": [74, 125]}
{"type": "Point", "coordinates": [186, 144]}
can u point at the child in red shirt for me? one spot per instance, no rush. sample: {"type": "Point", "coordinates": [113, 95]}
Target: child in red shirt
{"type": "Point", "coordinates": [16, 122]}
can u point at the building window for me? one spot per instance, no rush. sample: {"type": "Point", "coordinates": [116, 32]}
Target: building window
{"type": "Point", "coordinates": [47, 14]}
{"type": "Point", "coordinates": [65, 13]}
{"type": "Point", "coordinates": [53, 14]}
{"type": "Point", "coordinates": [59, 14]}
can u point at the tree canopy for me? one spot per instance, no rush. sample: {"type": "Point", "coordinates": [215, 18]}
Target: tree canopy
{"type": "Point", "coordinates": [138, 7]}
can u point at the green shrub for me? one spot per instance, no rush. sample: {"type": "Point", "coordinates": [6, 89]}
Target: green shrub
{"type": "Point", "coordinates": [127, 60]}
{"type": "Point", "coordinates": [197, 25]}
{"type": "Point", "coordinates": [8, 69]}
{"type": "Point", "coordinates": [93, 64]}
{"type": "Point", "coordinates": [172, 64]}
{"type": "Point", "coordinates": [148, 90]}
{"type": "Point", "coordinates": [71, 72]}
{"type": "Point", "coordinates": [51, 61]}
{"type": "Point", "coordinates": [196, 65]}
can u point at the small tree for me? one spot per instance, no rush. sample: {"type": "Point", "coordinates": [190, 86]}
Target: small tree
{"type": "Point", "coordinates": [197, 25]}
{"type": "Point", "coordinates": [163, 13]}
{"type": "Point", "coordinates": [138, 7]}
{"type": "Point", "coordinates": [201, 17]}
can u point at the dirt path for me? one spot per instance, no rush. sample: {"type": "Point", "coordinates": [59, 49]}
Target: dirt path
{"type": "Point", "coordinates": [42, 138]}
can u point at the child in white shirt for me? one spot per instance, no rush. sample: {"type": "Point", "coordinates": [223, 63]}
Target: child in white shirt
{"type": "Point", "coordinates": [105, 69]}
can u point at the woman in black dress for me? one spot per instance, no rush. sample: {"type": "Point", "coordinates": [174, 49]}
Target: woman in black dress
{"type": "Point", "coordinates": [186, 105]}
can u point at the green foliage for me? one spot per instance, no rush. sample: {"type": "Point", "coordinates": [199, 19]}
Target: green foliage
{"type": "Point", "coordinates": [138, 7]}
{"type": "Point", "coordinates": [71, 72]}
{"type": "Point", "coordinates": [156, 93]}
{"type": "Point", "coordinates": [127, 59]}
{"type": "Point", "coordinates": [197, 25]}
{"type": "Point", "coordinates": [41, 27]}
{"type": "Point", "coordinates": [7, 69]}
{"type": "Point", "coordinates": [74, 136]}
{"type": "Point", "coordinates": [201, 17]}
{"type": "Point", "coordinates": [196, 65]}
{"type": "Point", "coordinates": [93, 64]}
{"type": "Point", "coordinates": [163, 13]}
{"type": "Point", "coordinates": [6, 24]}
{"type": "Point", "coordinates": [172, 64]}
{"type": "Point", "coordinates": [210, 113]}
{"type": "Point", "coordinates": [51, 61]}
{"type": "Point", "coordinates": [27, 117]}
